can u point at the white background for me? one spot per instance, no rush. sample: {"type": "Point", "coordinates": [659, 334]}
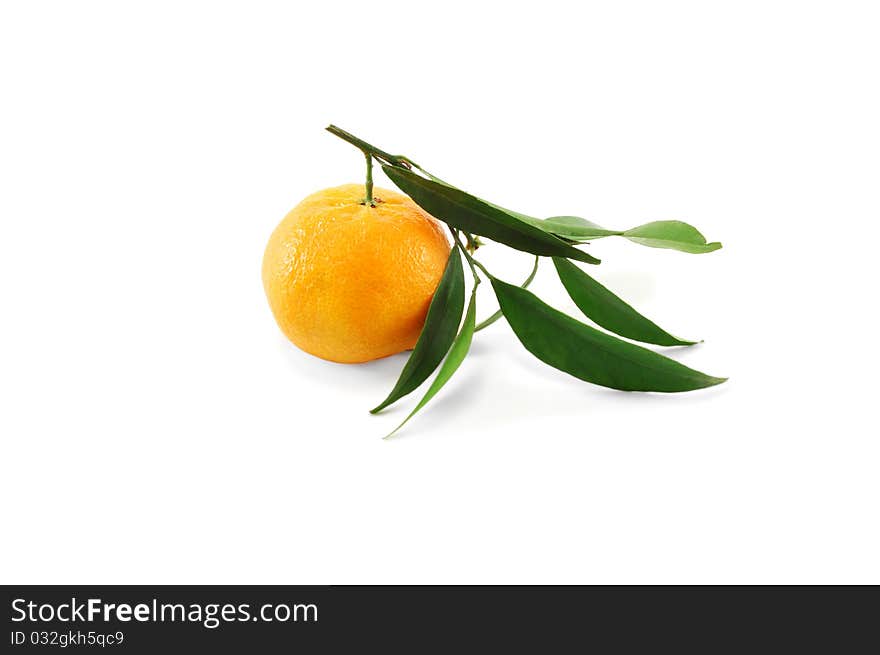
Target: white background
{"type": "Point", "coordinates": [157, 428]}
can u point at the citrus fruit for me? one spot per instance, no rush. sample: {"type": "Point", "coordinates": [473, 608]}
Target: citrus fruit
{"type": "Point", "coordinates": [350, 282]}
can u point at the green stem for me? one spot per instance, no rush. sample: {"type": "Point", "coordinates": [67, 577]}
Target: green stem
{"type": "Point", "coordinates": [481, 267]}
{"type": "Point", "coordinates": [467, 255]}
{"type": "Point", "coordinates": [394, 160]}
{"type": "Point", "coordinates": [525, 285]}
{"type": "Point", "coordinates": [368, 185]}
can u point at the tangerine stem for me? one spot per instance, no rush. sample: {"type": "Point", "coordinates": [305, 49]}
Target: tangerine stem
{"type": "Point", "coordinates": [360, 144]}
{"type": "Point", "coordinates": [368, 185]}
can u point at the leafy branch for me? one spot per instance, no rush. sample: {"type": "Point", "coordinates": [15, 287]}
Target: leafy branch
{"type": "Point", "coordinates": [553, 337]}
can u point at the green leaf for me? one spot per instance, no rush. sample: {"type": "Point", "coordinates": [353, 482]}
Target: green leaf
{"type": "Point", "coordinates": [587, 353]}
{"type": "Point", "coordinates": [675, 235]}
{"type": "Point", "coordinates": [437, 335]}
{"type": "Point", "coordinates": [457, 353]}
{"type": "Point", "coordinates": [609, 311]}
{"type": "Point", "coordinates": [525, 285]}
{"type": "Point", "coordinates": [471, 214]}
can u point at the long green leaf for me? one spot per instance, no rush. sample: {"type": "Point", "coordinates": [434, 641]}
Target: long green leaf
{"type": "Point", "coordinates": [457, 353]}
{"type": "Point", "coordinates": [671, 234]}
{"type": "Point", "coordinates": [587, 353]}
{"type": "Point", "coordinates": [674, 235]}
{"type": "Point", "coordinates": [441, 325]}
{"type": "Point", "coordinates": [471, 214]}
{"type": "Point", "coordinates": [609, 311]}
